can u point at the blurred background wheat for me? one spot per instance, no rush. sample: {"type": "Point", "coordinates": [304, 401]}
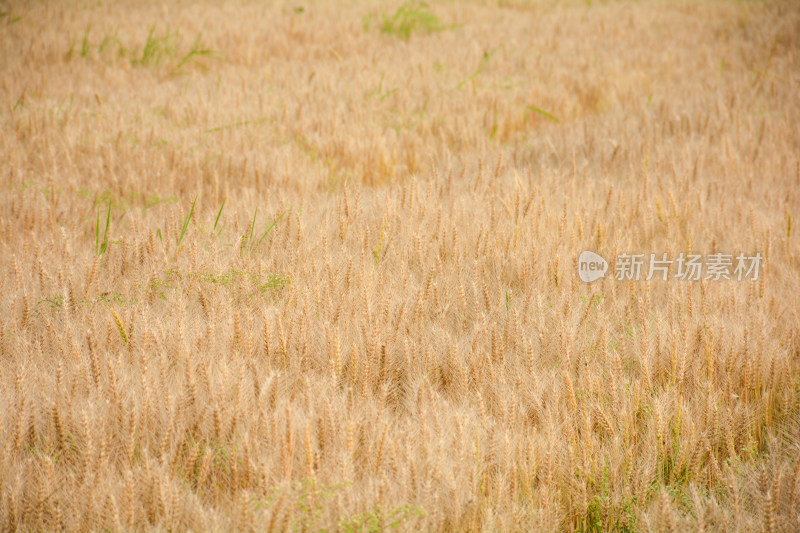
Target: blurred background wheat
{"type": "Point", "coordinates": [312, 265]}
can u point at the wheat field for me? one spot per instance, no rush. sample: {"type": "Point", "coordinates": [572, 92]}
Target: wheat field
{"type": "Point", "coordinates": [312, 265]}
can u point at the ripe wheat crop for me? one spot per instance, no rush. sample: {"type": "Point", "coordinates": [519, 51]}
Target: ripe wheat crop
{"type": "Point", "coordinates": [313, 266]}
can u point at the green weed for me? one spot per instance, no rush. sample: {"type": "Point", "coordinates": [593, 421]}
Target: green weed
{"type": "Point", "coordinates": [157, 47]}
{"type": "Point", "coordinates": [411, 17]}
{"type": "Point", "coordinates": [101, 247]}
{"type": "Point", "coordinates": [11, 20]}
{"type": "Point", "coordinates": [487, 55]}
{"type": "Point", "coordinates": [255, 122]}
{"type": "Point", "coordinates": [55, 301]}
{"type": "Point", "coordinates": [85, 42]}
{"type": "Point", "coordinates": [216, 220]}
{"type": "Point", "coordinates": [269, 229]}
{"type": "Point", "coordinates": [195, 52]}
{"type": "Point", "coordinates": [379, 519]}
{"type": "Point", "coordinates": [186, 222]}
{"type": "Point", "coordinates": [543, 113]}
{"type": "Point", "coordinates": [251, 233]}
{"type": "Point", "coordinates": [251, 284]}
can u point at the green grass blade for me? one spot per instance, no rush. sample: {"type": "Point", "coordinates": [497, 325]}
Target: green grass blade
{"type": "Point", "coordinates": [104, 245]}
{"type": "Point", "coordinates": [149, 50]}
{"type": "Point", "coordinates": [252, 229]}
{"type": "Point", "coordinates": [195, 52]}
{"type": "Point", "coordinates": [216, 221]}
{"type": "Point", "coordinates": [543, 113]}
{"type": "Point", "coordinates": [186, 222]}
{"type": "Point", "coordinates": [270, 228]}
{"type": "Point", "coordinates": [97, 233]}
{"type": "Point", "coordinates": [85, 42]}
